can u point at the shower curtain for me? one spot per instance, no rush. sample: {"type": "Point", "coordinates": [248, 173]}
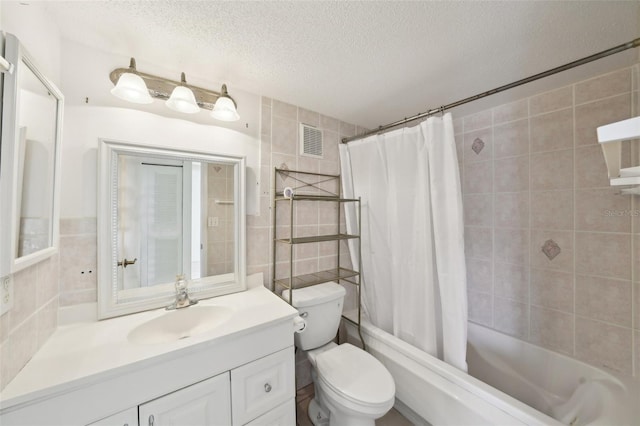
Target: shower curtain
{"type": "Point", "coordinates": [413, 265]}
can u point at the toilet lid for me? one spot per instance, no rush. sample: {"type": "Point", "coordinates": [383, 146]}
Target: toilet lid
{"type": "Point", "coordinates": [356, 375]}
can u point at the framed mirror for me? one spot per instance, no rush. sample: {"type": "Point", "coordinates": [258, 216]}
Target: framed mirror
{"type": "Point", "coordinates": [163, 213]}
{"type": "Point", "coordinates": [29, 162]}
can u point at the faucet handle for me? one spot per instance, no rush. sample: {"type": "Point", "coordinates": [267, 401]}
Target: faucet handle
{"type": "Point", "coordinates": [181, 283]}
{"type": "Point", "coordinates": [182, 295]}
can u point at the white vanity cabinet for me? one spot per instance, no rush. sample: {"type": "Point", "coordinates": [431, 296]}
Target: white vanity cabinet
{"type": "Point", "coordinates": [241, 373]}
{"type": "Point", "coordinates": [263, 394]}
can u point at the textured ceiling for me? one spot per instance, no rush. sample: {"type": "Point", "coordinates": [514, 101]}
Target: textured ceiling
{"type": "Point", "coordinates": [365, 62]}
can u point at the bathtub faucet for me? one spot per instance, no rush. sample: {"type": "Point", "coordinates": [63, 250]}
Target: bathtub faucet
{"type": "Point", "coordinates": [182, 295]}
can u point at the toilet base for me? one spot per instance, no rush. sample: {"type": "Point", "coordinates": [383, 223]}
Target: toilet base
{"type": "Point", "coordinates": [317, 415]}
{"type": "Point", "coordinates": [329, 415]}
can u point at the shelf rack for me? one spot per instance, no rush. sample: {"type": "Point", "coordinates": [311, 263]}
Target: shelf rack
{"type": "Point", "coordinates": [610, 137]}
{"type": "Point", "coordinates": [292, 187]}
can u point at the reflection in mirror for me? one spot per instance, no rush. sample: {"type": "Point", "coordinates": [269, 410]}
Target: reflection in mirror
{"type": "Point", "coordinates": [167, 213]}
{"type": "Point", "coordinates": [174, 217]}
{"type": "Point", "coordinates": [29, 162]}
{"type": "Point", "coordinates": [37, 114]}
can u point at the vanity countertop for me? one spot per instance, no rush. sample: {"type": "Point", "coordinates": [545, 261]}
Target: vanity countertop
{"type": "Point", "coordinates": [81, 353]}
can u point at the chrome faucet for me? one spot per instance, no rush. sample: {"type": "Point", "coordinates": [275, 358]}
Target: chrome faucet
{"type": "Point", "coordinates": [182, 295]}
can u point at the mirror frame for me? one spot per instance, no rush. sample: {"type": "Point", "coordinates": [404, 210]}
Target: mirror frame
{"type": "Point", "coordinates": [10, 263]}
{"type": "Point", "coordinates": [206, 287]}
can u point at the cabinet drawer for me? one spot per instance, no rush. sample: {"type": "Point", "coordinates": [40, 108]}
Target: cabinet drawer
{"type": "Point", "coordinates": [284, 415]}
{"type": "Point", "coordinates": [262, 385]}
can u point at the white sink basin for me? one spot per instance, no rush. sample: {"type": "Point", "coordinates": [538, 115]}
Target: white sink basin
{"type": "Point", "coordinates": [180, 324]}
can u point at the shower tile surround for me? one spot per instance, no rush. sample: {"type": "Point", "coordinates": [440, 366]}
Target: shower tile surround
{"type": "Point", "coordinates": [553, 253]}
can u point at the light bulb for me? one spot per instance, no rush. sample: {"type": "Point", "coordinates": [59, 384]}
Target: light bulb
{"type": "Point", "coordinates": [225, 107]}
{"type": "Point", "coordinates": [131, 87]}
{"type": "Point", "coordinates": [183, 100]}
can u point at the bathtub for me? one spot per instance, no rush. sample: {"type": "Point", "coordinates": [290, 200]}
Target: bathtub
{"type": "Point", "coordinates": [510, 382]}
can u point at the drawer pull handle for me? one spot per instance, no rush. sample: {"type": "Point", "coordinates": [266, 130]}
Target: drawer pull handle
{"type": "Point", "coordinates": [151, 420]}
{"type": "Point", "coordinates": [267, 387]}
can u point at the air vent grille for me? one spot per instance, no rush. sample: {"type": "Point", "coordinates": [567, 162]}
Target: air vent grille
{"type": "Point", "coordinates": [310, 141]}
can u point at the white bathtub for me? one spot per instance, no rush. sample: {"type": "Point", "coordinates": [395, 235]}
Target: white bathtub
{"type": "Point", "coordinates": [534, 384]}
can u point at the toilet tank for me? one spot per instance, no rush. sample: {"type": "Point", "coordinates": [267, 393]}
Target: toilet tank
{"type": "Point", "coordinates": [321, 307]}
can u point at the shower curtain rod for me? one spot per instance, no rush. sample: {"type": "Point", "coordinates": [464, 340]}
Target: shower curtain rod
{"type": "Point", "coordinates": [585, 60]}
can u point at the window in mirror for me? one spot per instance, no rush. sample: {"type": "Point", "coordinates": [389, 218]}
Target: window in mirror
{"type": "Point", "coordinates": [168, 213]}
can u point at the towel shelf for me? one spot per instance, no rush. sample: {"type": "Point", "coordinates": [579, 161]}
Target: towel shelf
{"type": "Point", "coordinates": [306, 280]}
{"type": "Point", "coordinates": [307, 188]}
{"type": "Point", "coordinates": [610, 138]}
{"type": "Point", "coordinates": [316, 239]}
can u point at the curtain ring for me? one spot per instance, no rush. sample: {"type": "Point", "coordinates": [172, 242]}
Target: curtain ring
{"type": "Point", "coordinates": [442, 111]}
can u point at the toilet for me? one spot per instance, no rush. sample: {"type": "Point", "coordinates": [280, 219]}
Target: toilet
{"type": "Point", "coordinates": [352, 388]}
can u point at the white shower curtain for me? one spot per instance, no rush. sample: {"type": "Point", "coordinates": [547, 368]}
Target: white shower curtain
{"type": "Point", "coordinates": [413, 266]}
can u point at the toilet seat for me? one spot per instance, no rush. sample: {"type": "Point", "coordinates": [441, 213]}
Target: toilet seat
{"type": "Point", "coordinates": [355, 375]}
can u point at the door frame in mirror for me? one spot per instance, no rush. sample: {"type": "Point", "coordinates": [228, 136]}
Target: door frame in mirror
{"type": "Point", "coordinates": [108, 302]}
{"type": "Point", "coordinates": [10, 263]}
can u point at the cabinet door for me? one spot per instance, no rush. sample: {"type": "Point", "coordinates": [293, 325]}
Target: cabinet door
{"type": "Point", "coordinates": [124, 418]}
{"type": "Point", "coordinates": [207, 403]}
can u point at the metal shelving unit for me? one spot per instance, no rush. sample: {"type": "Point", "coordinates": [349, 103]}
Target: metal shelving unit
{"type": "Point", "coordinates": [312, 187]}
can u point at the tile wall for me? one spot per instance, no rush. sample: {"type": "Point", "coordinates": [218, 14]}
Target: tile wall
{"type": "Point", "coordinates": [78, 261]}
{"type": "Point", "coordinates": [553, 252]}
{"type": "Point", "coordinates": [220, 234]}
{"type": "Point", "coordinates": [279, 148]}
{"type": "Point", "coordinates": [33, 318]}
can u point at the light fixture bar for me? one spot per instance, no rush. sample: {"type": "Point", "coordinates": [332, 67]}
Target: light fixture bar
{"type": "Point", "coordinates": [161, 88]}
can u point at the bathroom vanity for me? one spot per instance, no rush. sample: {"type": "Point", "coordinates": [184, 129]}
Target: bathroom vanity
{"type": "Point", "coordinates": [225, 361]}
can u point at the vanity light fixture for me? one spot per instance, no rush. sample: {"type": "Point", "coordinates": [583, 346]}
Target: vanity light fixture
{"type": "Point", "coordinates": [179, 95]}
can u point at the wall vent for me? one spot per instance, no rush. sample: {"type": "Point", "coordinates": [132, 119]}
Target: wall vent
{"type": "Point", "coordinates": [310, 141]}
